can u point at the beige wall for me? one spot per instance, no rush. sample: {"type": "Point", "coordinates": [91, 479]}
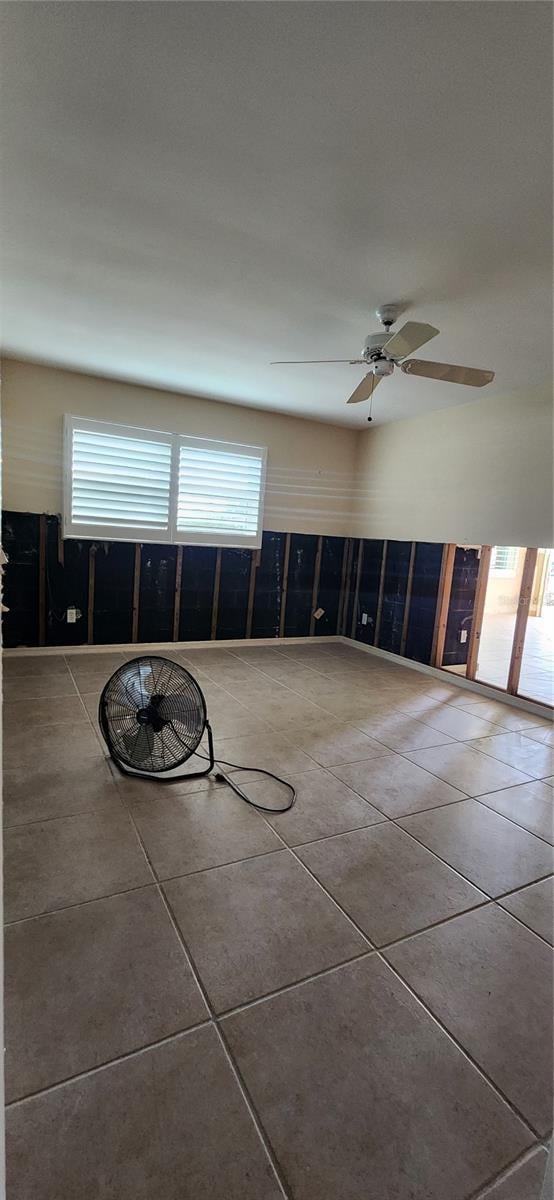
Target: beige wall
{"type": "Point", "coordinates": [310, 485]}
{"type": "Point", "coordinates": [480, 473]}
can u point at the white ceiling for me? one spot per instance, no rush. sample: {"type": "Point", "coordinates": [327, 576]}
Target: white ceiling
{"type": "Point", "coordinates": [194, 189]}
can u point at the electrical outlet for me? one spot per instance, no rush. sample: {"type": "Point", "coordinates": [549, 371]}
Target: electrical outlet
{"type": "Point", "coordinates": [318, 613]}
{"type": "Point", "coordinates": [463, 636]}
{"type": "Point", "coordinates": [73, 615]}
{"type": "Point", "coordinates": [364, 618]}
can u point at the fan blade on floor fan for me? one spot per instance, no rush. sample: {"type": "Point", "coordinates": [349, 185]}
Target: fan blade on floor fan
{"type": "Point", "coordinates": [140, 743]}
{"type": "Point", "coordinates": [365, 389]}
{"type": "Point", "coordinates": [412, 335]}
{"type": "Point", "coordinates": [472, 376]}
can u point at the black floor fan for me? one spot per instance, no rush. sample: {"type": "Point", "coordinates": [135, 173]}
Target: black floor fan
{"type": "Point", "coordinates": [153, 718]}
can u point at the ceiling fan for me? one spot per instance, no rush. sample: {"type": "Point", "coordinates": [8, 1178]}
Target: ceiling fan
{"type": "Point", "coordinates": [384, 351]}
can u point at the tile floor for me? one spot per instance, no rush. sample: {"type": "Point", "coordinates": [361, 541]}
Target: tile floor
{"type": "Point", "coordinates": [352, 1000]}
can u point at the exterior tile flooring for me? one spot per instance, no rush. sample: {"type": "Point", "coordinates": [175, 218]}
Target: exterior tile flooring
{"type": "Point", "coordinates": [349, 1001]}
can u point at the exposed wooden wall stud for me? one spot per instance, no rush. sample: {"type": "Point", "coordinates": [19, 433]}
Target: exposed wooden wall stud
{"type": "Point", "coordinates": [215, 601]}
{"type": "Point", "coordinates": [478, 612]}
{"type": "Point", "coordinates": [315, 589]}
{"type": "Point", "coordinates": [380, 595]}
{"type": "Point", "coordinates": [443, 604]}
{"type": "Point", "coordinates": [524, 602]}
{"type": "Point", "coordinates": [136, 593]}
{"type": "Point", "coordinates": [359, 565]}
{"type": "Point", "coordinates": [254, 564]}
{"type": "Point", "coordinates": [407, 601]}
{"type": "Point", "coordinates": [283, 610]}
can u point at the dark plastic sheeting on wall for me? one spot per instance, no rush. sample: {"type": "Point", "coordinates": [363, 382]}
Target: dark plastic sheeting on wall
{"type": "Point", "coordinates": [234, 583]}
{"type": "Point", "coordinates": [350, 586]}
{"type": "Point", "coordinates": [368, 594]}
{"type": "Point", "coordinates": [462, 601]}
{"type": "Point", "coordinates": [423, 603]}
{"type": "Point", "coordinates": [394, 596]}
{"type": "Point", "coordinates": [20, 540]}
{"type": "Point", "coordinates": [303, 547]}
{"type": "Point", "coordinates": [66, 587]}
{"type": "Point", "coordinates": [269, 583]}
{"type": "Point", "coordinates": [157, 593]}
{"type": "Point", "coordinates": [330, 577]}
{"type": "Point", "coordinates": [114, 567]}
{"type": "Point", "coordinates": [197, 590]}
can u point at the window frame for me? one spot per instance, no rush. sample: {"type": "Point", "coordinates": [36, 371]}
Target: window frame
{"type": "Point", "coordinates": [509, 571]}
{"type": "Point", "coordinates": [171, 535]}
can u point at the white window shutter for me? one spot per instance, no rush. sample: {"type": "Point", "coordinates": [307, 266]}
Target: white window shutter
{"type": "Point", "coordinates": [117, 481]}
{"type": "Point", "coordinates": [220, 492]}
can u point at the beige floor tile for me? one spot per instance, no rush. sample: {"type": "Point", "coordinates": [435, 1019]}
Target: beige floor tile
{"type": "Point", "coordinates": [397, 787]}
{"type": "Point", "coordinates": [201, 830]}
{"type": "Point", "coordinates": [33, 665]}
{"type": "Point", "coordinates": [493, 853]}
{"type": "Point", "coordinates": [400, 733]}
{"type": "Point", "coordinates": [467, 769]}
{"type": "Point", "coordinates": [518, 751]}
{"type": "Point", "coordinates": [504, 715]}
{"type": "Point", "coordinates": [35, 687]}
{"type": "Point", "coordinates": [389, 884]}
{"type": "Point", "coordinates": [245, 936]}
{"type": "Point", "coordinates": [489, 981]}
{"type": "Point", "coordinates": [541, 733]}
{"type": "Point", "coordinates": [92, 983]}
{"type": "Point", "coordinates": [169, 1123]}
{"type": "Point", "coordinates": [523, 1183]}
{"type": "Point", "coordinates": [60, 710]}
{"type": "Point", "coordinates": [342, 1107]}
{"type": "Point", "coordinates": [459, 724]}
{"type": "Point", "coordinates": [323, 806]}
{"type": "Point", "coordinates": [534, 905]}
{"type": "Point", "coordinates": [68, 860]}
{"type": "Point", "coordinates": [53, 790]}
{"type": "Point", "coordinates": [53, 748]}
{"type": "Point", "coordinates": [271, 752]}
{"type": "Point", "coordinates": [530, 805]}
{"type": "Point", "coordinates": [329, 742]}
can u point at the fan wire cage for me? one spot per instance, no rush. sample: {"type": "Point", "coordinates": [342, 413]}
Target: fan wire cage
{"type": "Point", "coordinates": [153, 716]}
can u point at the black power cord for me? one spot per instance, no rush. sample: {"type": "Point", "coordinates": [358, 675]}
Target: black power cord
{"type": "Point", "coordinates": [262, 808]}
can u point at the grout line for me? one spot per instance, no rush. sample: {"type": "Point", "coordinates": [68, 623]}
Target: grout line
{"type": "Point", "coordinates": [461, 1048]}
{"type": "Point", "coordinates": [50, 912]}
{"type": "Point", "coordinates": [411, 937]}
{"type": "Point", "coordinates": [524, 828]}
{"type": "Point", "coordinates": [519, 920]}
{"type": "Point", "coordinates": [110, 1062]}
{"type": "Point", "coordinates": [289, 987]}
{"type": "Point", "coordinates": [484, 1190]}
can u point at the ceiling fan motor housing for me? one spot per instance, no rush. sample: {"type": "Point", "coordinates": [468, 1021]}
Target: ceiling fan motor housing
{"type": "Point", "coordinates": [373, 345]}
{"type": "Point", "coordinates": [383, 366]}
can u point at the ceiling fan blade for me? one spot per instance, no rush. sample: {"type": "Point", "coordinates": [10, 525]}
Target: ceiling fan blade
{"type": "Point", "coordinates": [412, 335]}
{"type": "Point", "coordinates": [365, 389]}
{"type": "Point", "coordinates": [471, 376]}
{"type": "Point", "coordinates": [300, 362]}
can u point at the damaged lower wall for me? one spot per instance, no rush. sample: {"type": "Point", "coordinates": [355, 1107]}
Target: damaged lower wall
{"type": "Point", "coordinates": [382, 593]}
{"type": "Point", "coordinates": [158, 593]}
